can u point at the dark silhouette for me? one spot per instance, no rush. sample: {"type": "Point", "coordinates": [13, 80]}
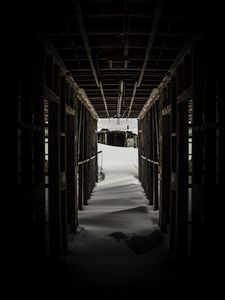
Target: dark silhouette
{"type": "Point", "coordinates": [140, 244]}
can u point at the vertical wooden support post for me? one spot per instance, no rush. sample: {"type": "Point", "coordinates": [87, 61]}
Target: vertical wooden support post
{"type": "Point", "coordinates": [181, 221]}
{"type": "Point", "coordinates": [206, 139]}
{"type": "Point", "coordinates": [81, 156]}
{"type": "Point", "coordinates": [147, 125]}
{"type": "Point", "coordinates": [71, 155]}
{"type": "Point", "coordinates": [85, 156]}
{"type": "Point", "coordinates": [197, 152]}
{"type": "Point", "coordinates": [221, 119]}
{"type": "Point", "coordinates": [173, 165]}
{"type": "Point", "coordinates": [30, 151]}
{"type": "Point", "coordinates": [165, 133]}
{"type": "Point", "coordinates": [155, 158]}
{"type": "Point", "coordinates": [26, 151]}
{"type": "Point", "coordinates": [38, 148]}
{"type": "Point", "coordinates": [90, 163]}
{"type": "Point", "coordinates": [182, 181]}
{"type": "Point", "coordinates": [151, 197]}
{"type": "Point", "coordinates": [220, 150]}
{"type": "Point", "coordinates": [210, 155]}
{"type": "Point", "coordinates": [143, 153]}
{"type": "Point", "coordinates": [140, 149]}
{"type": "Point", "coordinates": [95, 152]}
{"type": "Point", "coordinates": [63, 164]}
{"type": "Point", "coordinates": [54, 176]}
{"type": "Point", "coordinates": [57, 213]}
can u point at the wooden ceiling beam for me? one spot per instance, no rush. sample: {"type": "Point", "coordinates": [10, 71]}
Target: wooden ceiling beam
{"type": "Point", "coordinates": [151, 39]}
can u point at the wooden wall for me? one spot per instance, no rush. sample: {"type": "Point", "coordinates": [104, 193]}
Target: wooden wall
{"type": "Point", "coordinates": [148, 131]}
{"type": "Point", "coordinates": [182, 138]}
{"type": "Point", "coordinates": [56, 148]}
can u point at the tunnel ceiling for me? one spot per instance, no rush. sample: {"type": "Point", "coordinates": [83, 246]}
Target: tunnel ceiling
{"type": "Point", "coordinates": [118, 51]}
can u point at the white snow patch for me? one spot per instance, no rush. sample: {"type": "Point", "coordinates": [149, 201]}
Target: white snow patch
{"type": "Point", "coordinates": [116, 220]}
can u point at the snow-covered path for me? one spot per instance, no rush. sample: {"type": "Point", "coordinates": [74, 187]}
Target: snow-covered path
{"type": "Point", "coordinates": [118, 209]}
{"type": "Point", "coordinates": [118, 245]}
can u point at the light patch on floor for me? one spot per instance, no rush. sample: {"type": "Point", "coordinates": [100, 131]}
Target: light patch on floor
{"type": "Point", "coordinates": [118, 240]}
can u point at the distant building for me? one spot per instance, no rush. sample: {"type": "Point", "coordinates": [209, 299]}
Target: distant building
{"type": "Point", "coordinates": [117, 138]}
{"type": "Point", "coordinates": [102, 136]}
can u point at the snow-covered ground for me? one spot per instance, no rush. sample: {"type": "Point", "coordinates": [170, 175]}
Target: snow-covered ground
{"type": "Point", "coordinates": [118, 163]}
{"type": "Point", "coordinates": [118, 204]}
{"type": "Point", "coordinates": [118, 250]}
{"type": "Point", "coordinates": [118, 245]}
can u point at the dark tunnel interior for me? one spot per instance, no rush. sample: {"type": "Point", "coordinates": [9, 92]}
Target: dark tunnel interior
{"type": "Point", "coordinates": [72, 63]}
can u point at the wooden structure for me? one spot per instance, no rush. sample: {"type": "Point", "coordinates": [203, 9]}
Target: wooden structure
{"type": "Point", "coordinates": [76, 61]}
{"type": "Point", "coordinates": [180, 156]}
{"type": "Point", "coordinates": [57, 149]}
{"type": "Point", "coordinates": [117, 138]}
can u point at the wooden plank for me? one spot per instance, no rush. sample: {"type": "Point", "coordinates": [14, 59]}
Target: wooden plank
{"type": "Point", "coordinates": [71, 174]}
{"type": "Point", "coordinates": [221, 116]}
{"type": "Point", "coordinates": [146, 125]}
{"type": "Point", "coordinates": [182, 182]}
{"type": "Point", "coordinates": [151, 188]}
{"type": "Point", "coordinates": [187, 71]}
{"type": "Point", "coordinates": [70, 111]}
{"type": "Point", "coordinates": [155, 157]}
{"type": "Point", "coordinates": [81, 157]}
{"type": "Point", "coordinates": [54, 183]}
{"type": "Point", "coordinates": [72, 153]}
{"type": "Point", "coordinates": [56, 79]}
{"type": "Point", "coordinates": [165, 172]}
{"type": "Point", "coordinates": [166, 110]}
{"type": "Point", "coordinates": [165, 157]}
{"type": "Point", "coordinates": [185, 95]}
{"type": "Point", "coordinates": [86, 130]}
{"type": "Point", "coordinates": [50, 95]}
{"type": "Point", "coordinates": [197, 151]}
{"type": "Point", "coordinates": [49, 71]}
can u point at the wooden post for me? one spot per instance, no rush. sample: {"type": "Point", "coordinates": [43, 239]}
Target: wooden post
{"type": "Point", "coordinates": [54, 176]}
{"type": "Point", "coordinates": [155, 158]}
{"type": "Point", "coordinates": [173, 138]}
{"type": "Point", "coordinates": [182, 181]}
{"type": "Point", "coordinates": [197, 152]}
{"type": "Point", "coordinates": [30, 147]}
{"type": "Point", "coordinates": [182, 171]}
{"type": "Point", "coordinates": [81, 156]}
{"type": "Point", "coordinates": [71, 166]}
{"type": "Point", "coordinates": [165, 166]}
{"type": "Point", "coordinates": [140, 149]}
{"type": "Point", "coordinates": [206, 140]}
{"type": "Point", "coordinates": [86, 130]}
{"type": "Point", "coordinates": [151, 168]}
{"type": "Point", "coordinates": [147, 146]}
{"type": "Point", "coordinates": [38, 148]}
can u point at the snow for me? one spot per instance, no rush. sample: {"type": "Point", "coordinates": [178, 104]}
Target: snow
{"type": "Point", "coordinates": [118, 204]}
{"type": "Point", "coordinates": [118, 249]}
{"type": "Point", "coordinates": [118, 161]}
{"type": "Point", "coordinates": [118, 240]}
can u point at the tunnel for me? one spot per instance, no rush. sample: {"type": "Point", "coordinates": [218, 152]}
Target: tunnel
{"type": "Point", "coordinates": [75, 62]}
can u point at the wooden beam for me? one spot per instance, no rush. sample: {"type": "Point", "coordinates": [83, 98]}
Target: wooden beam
{"type": "Point", "coordinates": [64, 71]}
{"type": "Point", "coordinates": [85, 38]}
{"type": "Point", "coordinates": [132, 98]}
{"type": "Point", "coordinates": [153, 97]}
{"type": "Point", "coordinates": [121, 89]}
{"type": "Point", "coordinates": [104, 100]}
{"type": "Point", "coordinates": [151, 39]}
